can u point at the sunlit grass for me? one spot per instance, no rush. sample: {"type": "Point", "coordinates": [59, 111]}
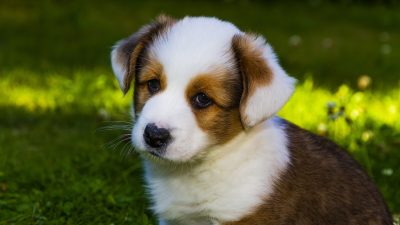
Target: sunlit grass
{"type": "Point", "coordinates": [339, 112]}
{"type": "Point", "coordinates": [87, 90]}
{"type": "Point", "coordinates": [349, 116]}
{"type": "Point", "coordinates": [345, 115]}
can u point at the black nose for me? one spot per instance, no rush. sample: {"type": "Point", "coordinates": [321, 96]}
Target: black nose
{"type": "Point", "coordinates": [156, 137]}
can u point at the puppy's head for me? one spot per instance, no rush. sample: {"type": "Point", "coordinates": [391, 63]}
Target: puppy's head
{"type": "Point", "coordinates": [198, 82]}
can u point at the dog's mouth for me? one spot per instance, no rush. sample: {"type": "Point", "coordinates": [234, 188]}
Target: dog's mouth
{"type": "Point", "coordinates": [158, 153]}
{"type": "Point", "coordinates": [154, 153]}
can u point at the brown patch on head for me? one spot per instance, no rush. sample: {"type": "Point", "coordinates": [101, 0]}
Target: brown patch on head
{"type": "Point", "coordinates": [252, 65]}
{"type": "Point", "coordinates": [130, 51]}
{"type": "Point", "coordinates": [222, 118]}
{"type": "Point", "coordinates": [152, 70]}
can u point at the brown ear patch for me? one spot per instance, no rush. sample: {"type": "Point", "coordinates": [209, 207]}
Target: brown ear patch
{"type": "Point", "coordinates": [133, 48]}
{"type": "Point", "coordinates": [222, 118]}
{"type": "Point", "coordinates": [152, 69]}
{"type": "Point", "coordinates": [252, 65]}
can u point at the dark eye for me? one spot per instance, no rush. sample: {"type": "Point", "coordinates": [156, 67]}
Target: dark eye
{"type": "Point", "coordinates": [153, 86]}
{"type": "Point", "coordinates": [201, 100]}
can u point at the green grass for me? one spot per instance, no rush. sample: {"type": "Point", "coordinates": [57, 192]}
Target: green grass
{"type": "Point", "coordinates": [57, 166]}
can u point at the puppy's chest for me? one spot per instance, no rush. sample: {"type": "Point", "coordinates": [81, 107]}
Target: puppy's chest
{"type": "Point", "coordinates": [209, 196]}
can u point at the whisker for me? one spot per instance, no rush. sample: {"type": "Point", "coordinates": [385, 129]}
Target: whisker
{"type": "Point", "coordinates": [113, 144]}
{"type": "Point", "coordinates": [125, 139]}
{"type": "Point", "coordinates": [126, 150]}
{"type": "Point", "coordinates": [118, 121]}
{"type": "Point", "coordinates": [115, 127]}
{"type": "Point", "coordinates": [122, 142]}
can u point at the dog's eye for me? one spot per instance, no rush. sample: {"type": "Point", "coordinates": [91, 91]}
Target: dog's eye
{"type": "Point", "coordinates": [153, 86]}
{"type": "Point", "coordinates": [201, 100]}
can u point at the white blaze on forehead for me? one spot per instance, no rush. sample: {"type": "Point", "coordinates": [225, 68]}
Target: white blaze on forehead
{"type": "Point", "coordinates": [193, 46]}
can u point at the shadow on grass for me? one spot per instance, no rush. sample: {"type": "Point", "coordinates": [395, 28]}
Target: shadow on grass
{"type": "Point", "coordinates": [54, 169]}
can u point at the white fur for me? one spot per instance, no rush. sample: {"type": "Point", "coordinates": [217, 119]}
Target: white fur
{"type": "Point", "coordinates": [228, 184]}
{"type": "Point", "coordinates": [194, 45]}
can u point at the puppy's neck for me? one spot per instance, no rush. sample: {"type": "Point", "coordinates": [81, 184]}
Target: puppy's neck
{"type": "Point", "coordinates": [250, 163]}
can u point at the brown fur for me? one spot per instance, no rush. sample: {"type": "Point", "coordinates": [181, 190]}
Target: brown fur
{"type": "Point", "coordinates": [323, 185]}
{"type": "Point", "coordinates": [222, 118]}
{"type": "Point", "coordinates": [252, 66]}
{"type": "Point", "coordinates": [131, 50]}
{"type": "Point", "coordinates": [151, 70]}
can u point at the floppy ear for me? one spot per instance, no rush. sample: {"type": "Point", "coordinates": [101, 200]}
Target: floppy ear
{"type": "Point", "coordinates": [266, 86]}
{"type": "Point", "coordinates": [126, 56]}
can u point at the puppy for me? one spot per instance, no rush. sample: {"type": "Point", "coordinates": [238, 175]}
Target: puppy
{"type": "Point", "coordinates": [205, 99]}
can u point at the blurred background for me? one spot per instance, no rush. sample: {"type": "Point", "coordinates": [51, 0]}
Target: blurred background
{"type": "Point", "coordinates": [64, 154]}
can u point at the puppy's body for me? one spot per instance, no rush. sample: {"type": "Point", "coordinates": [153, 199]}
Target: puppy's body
{"type": "Point", "coordinates": [277, 174]}
{"type": "Point", "coordinates": [205, 99]}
